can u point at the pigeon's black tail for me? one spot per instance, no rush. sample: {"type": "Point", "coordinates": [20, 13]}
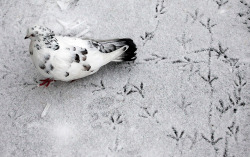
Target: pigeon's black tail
{"type": "Point", "coordinates": [129, 54]}
{"type": "Point", "coordinates": [112, 45]}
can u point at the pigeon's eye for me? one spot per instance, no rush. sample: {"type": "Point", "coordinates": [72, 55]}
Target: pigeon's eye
{"type": "Point", "coordinates": [32, 35]}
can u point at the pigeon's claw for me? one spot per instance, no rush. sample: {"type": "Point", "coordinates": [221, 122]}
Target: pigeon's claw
{"type": "Point", "coordinates": [46, 82]}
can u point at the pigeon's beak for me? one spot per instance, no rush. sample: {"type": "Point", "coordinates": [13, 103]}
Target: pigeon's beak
{"type": "Point", "coordinates": [26, 37]}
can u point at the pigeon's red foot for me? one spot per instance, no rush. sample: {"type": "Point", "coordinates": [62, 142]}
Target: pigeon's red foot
{"type": "Point", "coordinates": [46, 82]}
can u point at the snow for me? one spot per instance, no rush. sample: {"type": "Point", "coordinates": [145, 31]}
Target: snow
{"type": "Point", "coordinates": [187, 94]}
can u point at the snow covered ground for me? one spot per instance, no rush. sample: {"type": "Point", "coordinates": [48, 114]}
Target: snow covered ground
{"type": "Point", "coordinates": [187, 94]}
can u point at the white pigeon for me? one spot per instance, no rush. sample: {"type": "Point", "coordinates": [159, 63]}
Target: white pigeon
{"type": "Point", "coordinates": [69, 58]}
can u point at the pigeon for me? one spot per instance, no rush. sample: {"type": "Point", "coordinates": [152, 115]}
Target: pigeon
{"type": "Point", "coordinates": [69, 58]}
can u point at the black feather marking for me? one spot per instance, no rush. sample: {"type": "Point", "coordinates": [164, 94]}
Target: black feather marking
{"type": "Point", "coordinates": [112, 45]}
{"type": "Point", "coordinates": [56, 47]}
{"type": "Point", "coordinates": [129, 54]}
{"type": "Point", "coordinates": [38, 47]}
{"type": "Point", "coordinates": [77, 58]}
{"type": "Point", "coordinates": [87, 67]}
{"type": "Point", "coordinates": [31, 52]}
{"type": "Point", "coordinates": [51, 67]}
{"type": "Point", "coordinates": [84, 51]}
{"type": "Point", "coordinates": [67, 74]}
{"type": "Point", "coordinates": [47, 57]}
{"type": "Point", "coordinates": [42, 66]}
{"type": "Point", "coordinates": [51, 41]}
{"type": "Point", "coordinates": [95, 44]}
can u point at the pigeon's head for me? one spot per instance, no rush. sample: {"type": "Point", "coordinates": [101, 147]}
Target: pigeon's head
{"type": "Point", "coordinates": [38, 31]}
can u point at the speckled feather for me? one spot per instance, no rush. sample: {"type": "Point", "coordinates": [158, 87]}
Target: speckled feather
{"type": "Point", "coordinates": [69, 58]}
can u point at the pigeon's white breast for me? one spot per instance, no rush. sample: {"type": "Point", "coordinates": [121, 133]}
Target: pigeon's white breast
{"type": "Point", "coordinates": [38, 59]}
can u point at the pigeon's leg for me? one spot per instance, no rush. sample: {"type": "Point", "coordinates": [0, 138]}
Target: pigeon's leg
{"type": "Point", "coordinates": [72, 81]}
{"type": "Point", "coordinates": [46, 81]}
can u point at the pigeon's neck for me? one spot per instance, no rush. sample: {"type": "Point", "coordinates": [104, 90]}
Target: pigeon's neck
{"type": "Point", "coordinates": [36, 44]}
{"type": "Point", "coordinates": [47, 42]}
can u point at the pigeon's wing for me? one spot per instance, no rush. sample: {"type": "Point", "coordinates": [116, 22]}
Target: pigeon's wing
{"type": "Point", "coordinates": [106, 46]}
{"type": "Point", "coordinates": [112, 45]}
{"type": "Point", "coordinates": [94, 56]}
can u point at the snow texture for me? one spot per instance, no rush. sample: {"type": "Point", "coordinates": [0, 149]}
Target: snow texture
{"type": "Point", "coordinates": [187, 94]}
